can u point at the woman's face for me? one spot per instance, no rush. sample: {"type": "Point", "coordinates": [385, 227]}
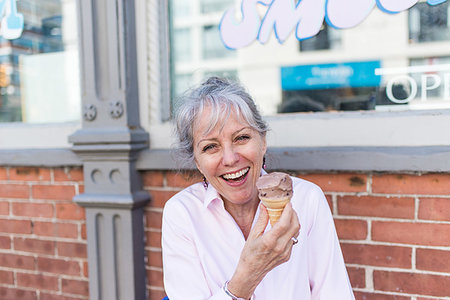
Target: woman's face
{"type": "Point", "coordinates": [230, 156]}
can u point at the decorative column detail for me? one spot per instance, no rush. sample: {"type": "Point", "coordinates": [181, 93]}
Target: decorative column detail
{"type": "Point", "coordinates": [108, 144]}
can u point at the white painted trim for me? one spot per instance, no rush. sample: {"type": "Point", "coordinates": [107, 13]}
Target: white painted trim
{"type": "Point", "coordinates": [36, 136]}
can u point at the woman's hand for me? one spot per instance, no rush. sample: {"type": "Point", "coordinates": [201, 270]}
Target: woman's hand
{"type": "Point", "coordinates": [264, 251]}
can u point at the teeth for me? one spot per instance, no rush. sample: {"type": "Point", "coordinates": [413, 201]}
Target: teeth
{"type": "Point", "coordinates": [236, 175]}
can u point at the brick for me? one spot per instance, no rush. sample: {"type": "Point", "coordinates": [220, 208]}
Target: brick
{"type": "Point", "coordinates": [153, 219]}
{"type": "Point", "coordinates": [330, 202]}
{"type": "Point", "coordinates": [391, 207]}
{"type": "Point", "coordinates": [70, 211]}
{"type": "Point", "coordinates": [411, 233]}
{"type": "Point", "coordinates": [5, 242]}
{"type": "Point", "coordinates": [64, 230]}
{"type": "Point", "coordinates": [29, 174]}
{"type": "Point", "coordinates": [341, 182]}
{"type": "Point", "coordinates": [433, 260]}
{"type": "Point", "coordinates": [77, 287]}
{"type": "Point", "coordinates": [412, 283]}
{"type": "Point", "coordinates": [83, 232]}
{"type": "Point", "coordinates": [43, 210]}
{"type": "Point", "coordinates": [377, 255]}
{"type": "Point", "coordinates": [58, 266]}
{"type": "Point", "coordinates": [357, 277]}
{"type": "Point", "coordinates": [152, 178]}
{"type": "Point", "coordinates": [85, 269]}
{"type": "Point", "coordinates": [34, 245]}
{"type": "Point", "coordinates": [155, 278]}
{"type": "Point", "coordinates": [37, 281]}
{"type": "Point", "coordinates": [9, 293]}
{"type": "Point", "coordinates": [154, 258]}
{"type": "Point", "coordinates": [378, 296]}
{"type": "Point", "coordinates": [4, 208]}
{"type": "Point", "coordinates": [155, 294]}
{"type": "Point", "coordinates": [351, 229]}
{"type": "Point", "coordinates": [68, 174]}
{"type": "Point", "coordinates": [184, 179]}
{"type": "Point", "coordinates": [3, 174]}
{"type": "Point", "coordinates": [159, 198]}
{"type": "Point", "coordinates": [428, 184]}
{"type": "Point", "coordinates": [437, 209]}
{"type": "Point", "coordinates": [16, 261]}
{"type": "Point", "coordinates": [153, 239]}
{"type": "Point", "coordinates": [17, 191]}
{"type": "Point", "coordinates": [6, 277]}
{"type": "Point", "coordinates": [49, 296]}
{"type": "Point", "coordinates": [15, 226]}
{"type": "Point", "coordinates": [53, 192]}
{"type": "Point", "coordinates": [72, 249]}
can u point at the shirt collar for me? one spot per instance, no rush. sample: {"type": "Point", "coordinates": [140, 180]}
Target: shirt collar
{"type": "Point", "coordinates": [211, 193]}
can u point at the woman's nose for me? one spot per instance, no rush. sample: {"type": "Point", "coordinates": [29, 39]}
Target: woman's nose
{"type": "Point", "coordinates": [230, 156]}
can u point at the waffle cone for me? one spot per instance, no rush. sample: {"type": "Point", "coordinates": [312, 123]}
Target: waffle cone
{"type": "Point", "coordinates": [275, 207]}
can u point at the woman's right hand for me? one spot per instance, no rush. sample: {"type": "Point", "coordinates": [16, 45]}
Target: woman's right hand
{"type": "Point", "coordinates": [264, 251]}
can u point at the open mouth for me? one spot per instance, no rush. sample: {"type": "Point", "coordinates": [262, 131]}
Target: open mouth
{"type": "Point", "coordinates": [237, 176]}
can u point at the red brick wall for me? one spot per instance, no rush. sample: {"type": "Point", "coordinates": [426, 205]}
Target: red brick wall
{"type": "Point", "coordinates": [42, 235]}
{"type": "Point", "coordinates": [394, 230]}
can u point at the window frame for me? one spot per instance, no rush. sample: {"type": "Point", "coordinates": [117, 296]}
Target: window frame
{"type": "Point", "coordinates": [328, 145]}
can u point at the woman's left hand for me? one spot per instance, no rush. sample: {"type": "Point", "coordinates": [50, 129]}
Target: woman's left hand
{"type": "Point", "coordinates": [263, 251]}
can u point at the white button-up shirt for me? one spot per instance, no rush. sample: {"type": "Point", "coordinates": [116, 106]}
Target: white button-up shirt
{"type": "Point", "coordinates": [202, 243]}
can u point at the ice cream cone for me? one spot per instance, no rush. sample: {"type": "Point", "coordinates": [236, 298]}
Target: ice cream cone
{"type": "Point", "coordinates": [275, 191]}
{"type": "Point", "coordinates": [275, 207]}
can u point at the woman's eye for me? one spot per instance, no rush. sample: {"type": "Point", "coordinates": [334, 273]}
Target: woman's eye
{"type": "Point", "coordinates": [208, 147]}
{"type": "Point", "coordinates": [243, 137]}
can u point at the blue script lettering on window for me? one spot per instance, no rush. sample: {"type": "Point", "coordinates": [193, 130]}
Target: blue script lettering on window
{"type": "Point", "coordinates": [11, 21]}
{"type": "Point", "coordinates": [306, 17]}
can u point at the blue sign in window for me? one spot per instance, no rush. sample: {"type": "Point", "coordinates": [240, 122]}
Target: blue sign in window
{"type": "Point", "coordinates": [329, 76]}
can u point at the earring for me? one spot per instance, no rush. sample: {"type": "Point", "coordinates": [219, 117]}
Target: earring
{"type": "Point", "coordinates": [205, 183]}
{"type": "Point", "coordinates": [264, 163]}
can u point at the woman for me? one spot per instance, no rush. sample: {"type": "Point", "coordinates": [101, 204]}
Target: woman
{"type": "Point", "coordinates": [216, 239]}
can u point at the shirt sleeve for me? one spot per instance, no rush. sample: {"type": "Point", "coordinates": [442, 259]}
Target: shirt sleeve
{"type": "Point", "coordinates": [328, 275]}
{"type": "Point", "coordinates": [184, 277]}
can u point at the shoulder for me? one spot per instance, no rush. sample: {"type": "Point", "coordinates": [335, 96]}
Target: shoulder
{"type": "Point", "coordinates": [307, 196]}
{"type": "Point", "coordinates": [184, 202]}
{"type": "Point", "coordinates": [304, 187]}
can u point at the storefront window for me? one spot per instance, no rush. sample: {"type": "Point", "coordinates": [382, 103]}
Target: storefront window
{"type": "Point", "coordinates": [327, 38]}
{"type": "Point", "coordinates": [39, 72]}
{"type": "Point", "coordinates": [386, 61]}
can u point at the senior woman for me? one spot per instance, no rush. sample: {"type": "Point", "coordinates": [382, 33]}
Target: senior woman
{"type": "Point", "coordinates": [216, 239]}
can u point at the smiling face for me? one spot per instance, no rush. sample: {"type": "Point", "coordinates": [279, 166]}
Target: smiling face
{"type": "Point", "coordinates": [230, 156]}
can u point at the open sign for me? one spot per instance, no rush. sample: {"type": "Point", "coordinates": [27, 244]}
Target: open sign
{"type": "Point", "coordinates": [431, 77]}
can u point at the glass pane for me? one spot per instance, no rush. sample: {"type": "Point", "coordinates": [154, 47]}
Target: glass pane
{"type": "Point", "coordinates": [212, 45]}
{"type": "Point", "coordinates": [208, 6]}
{"type": "Point", "coordinates": [182, 45]}
{"type": "Point", "coordinates": [39, 69]}
{"type": "Point", "coordinates": [384, 61]}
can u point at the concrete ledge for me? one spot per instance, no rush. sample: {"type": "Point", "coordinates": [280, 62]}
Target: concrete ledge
{"type": "Point", "coordinates": [39, 158]}
{"type": "Point", "coordinates": [378, 159]}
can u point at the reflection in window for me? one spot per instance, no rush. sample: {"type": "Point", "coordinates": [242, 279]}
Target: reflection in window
{"type": "Point", "coordinates": [212, 44]}
{"type": "Point", "coordinates": [229, 74]}
{"type": "Point", "coordinates": [182, 44]}
{"type": "Point", "coordinates": [208, 6]}
{"type": "Point", "coordinates": [39, 71]}
{"type": "Point", "coordinates": [180, 8]}
{"type": "Point", "coordinates": [327, 38]}
{"type": "Point", "coordinates": [429, 23]}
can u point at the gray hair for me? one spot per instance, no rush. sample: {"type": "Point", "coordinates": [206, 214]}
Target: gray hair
{"type": "Point", "coordinates": [224, 97]}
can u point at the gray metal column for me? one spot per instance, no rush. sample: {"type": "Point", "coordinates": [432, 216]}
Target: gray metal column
{"type": "Point", "coordinates": [108, 144]}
